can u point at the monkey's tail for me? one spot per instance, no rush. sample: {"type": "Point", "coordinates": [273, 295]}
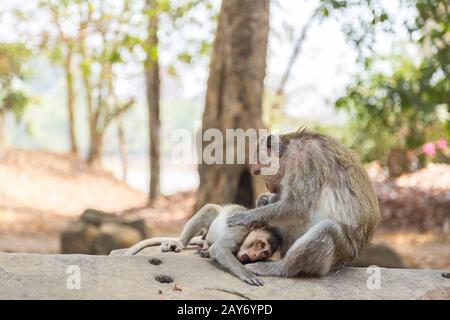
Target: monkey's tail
{"type": "Point", "coordinates": [147, 243]}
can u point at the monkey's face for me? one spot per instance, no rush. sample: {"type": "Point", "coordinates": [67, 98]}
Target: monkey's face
{"type": "Point", "coordinates": [268, 162]}
{"type": "Point", "coordinates": [267, 156]}
{"type": "Point", "coordinates": [256, 247]}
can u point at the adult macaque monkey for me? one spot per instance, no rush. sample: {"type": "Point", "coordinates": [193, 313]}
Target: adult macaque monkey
{"type": "Point", "coordinates": [321, 201]}
{"type": "Point", "coordinates": [221, 242]}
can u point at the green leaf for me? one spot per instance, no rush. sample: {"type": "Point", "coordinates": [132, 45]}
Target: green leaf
{"type": "Point", "coordinates": [185, 57]}
{"type": "Point", "coordinates": [115, 57]}
{"type": "Point", "coordinates": [55, 55]}
{"type": "Point", "coordinates": [172, 71]}
{"type": "Point", "coordinates": [86, 67]}
{"type": "Point", "coordinates": [153, 53]}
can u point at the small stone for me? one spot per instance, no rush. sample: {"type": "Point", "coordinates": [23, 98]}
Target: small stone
{"type": "Point", "coordinates": [164, 278]}
{"type": "Point", "coordinates": [155, 261]}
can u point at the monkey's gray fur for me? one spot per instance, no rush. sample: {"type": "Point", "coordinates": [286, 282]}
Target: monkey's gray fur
{"type": "Point", "coordinates": [223, 241]}
{"type": "Point", "coordinates": [324, 207]}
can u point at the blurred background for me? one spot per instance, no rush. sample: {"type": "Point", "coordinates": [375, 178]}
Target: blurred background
{"type": "Point", "coordinates": [91, 93]}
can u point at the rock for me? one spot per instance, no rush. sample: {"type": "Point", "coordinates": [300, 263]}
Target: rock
{"type": "Point", "coordinates": [437, 294]}
{"type": "Point", "coordinates": [379, 255]}
{"type": "Point", "coordinates": [79, 237]}
{"type": "Point", "coordinates": [416, 201]}
{"type": "Point", "coordinates": [115, 236]}
{"type": "Point", "coordinates": [99, 232]}
{"type": "Point", "coordinates": [157, 275]}
{"type": "Point", "coordinates": [97, 217]}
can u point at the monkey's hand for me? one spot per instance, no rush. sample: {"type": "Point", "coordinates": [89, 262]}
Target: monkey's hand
{"type": "Point", "coordinates": [267, 198]}
{"type": "Point", "coordinates": [251, 279]}
{"type": "Point", "coordinates": [240, 219]}
{"type": "Point", "coordinates": [263, 200]}
{"type": "Point", "coordinates": [269, 268]}
{"type": "Point", "coordinates": [173, 245]}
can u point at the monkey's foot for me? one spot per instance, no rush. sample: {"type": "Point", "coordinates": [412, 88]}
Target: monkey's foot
{"type": "Point", "coordinates": [167, 246]}
{"type": "Point", "coordinates": [203, 246]}
{"type": "Point", "coordinates": [204, 253]}
{"type": "Point", "coordinates": [265, 268]}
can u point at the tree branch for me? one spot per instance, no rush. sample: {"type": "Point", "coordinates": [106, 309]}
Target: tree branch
{"type": "Point", "coordinates": [117, 112]}
{"type": "Point", "coordinates": [295, 53]}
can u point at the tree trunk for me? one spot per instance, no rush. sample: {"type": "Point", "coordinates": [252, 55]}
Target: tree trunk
{"type": "Point", "coordinates": [70, 103]}
{"type": "Point", "coordinates": [2, 129]}
{"type": "Point", "coordinates": [122, 150]}
{"type": "Point", "coordinates": [397, 162]}
{"type": "Point", "coordinates": [94, 140]}
{"type": "Point", "coordinates": [153, 94]}
{"type": "Point", "coordinates": [95, 147]}
{"type": "Point", "coordinates": [234, 94]}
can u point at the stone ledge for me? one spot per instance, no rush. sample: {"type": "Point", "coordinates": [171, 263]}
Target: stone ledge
{"type": "Point", "coordinates": [38, 276]}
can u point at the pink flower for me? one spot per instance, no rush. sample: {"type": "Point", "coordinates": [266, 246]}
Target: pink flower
{"type": "Point", "coordinates": [429, 149]}
{"type": "Point", "coordinates": [441, 144]}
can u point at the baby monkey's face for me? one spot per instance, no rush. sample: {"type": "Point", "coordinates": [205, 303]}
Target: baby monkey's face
{"type": "Point", "coordinates": [256, 247]}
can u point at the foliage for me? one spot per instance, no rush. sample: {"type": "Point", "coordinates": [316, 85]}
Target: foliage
{"type": "Point", "coordinates": [360, 21]}
{"type": "Point", "coordinates": [12, 60]}
{"type": "Point", "coordinates": [409, 105]}
{"type": "Point", "coordinates": [175, 17]}
{"type": "Point", "coordinates": [366, 17]}
{"type": "Point", "coordinates": [101, 46]}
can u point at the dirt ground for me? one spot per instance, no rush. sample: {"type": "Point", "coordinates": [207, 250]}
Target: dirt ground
{"type": "Point", "coordinates": [429, 250]}
{"type": "Point", "coordinates": [41, 193]}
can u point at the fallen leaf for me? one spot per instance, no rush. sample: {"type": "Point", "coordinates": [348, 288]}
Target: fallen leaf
{"type": "Point", "coordinates": [176, 287]}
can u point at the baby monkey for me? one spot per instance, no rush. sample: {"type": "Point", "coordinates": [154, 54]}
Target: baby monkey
{"type": "Point", "coordinates": [229, 246]}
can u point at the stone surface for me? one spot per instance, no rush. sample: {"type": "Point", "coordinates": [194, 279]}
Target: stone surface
{"type": "Point", "coordinates": [114, 236]}
{"type": "Point", "coordinates": [99, 232]}
{"type": "Point", "coordinates": [380, 255]}
{"type": "Point", "coordinates": [157, 275]}
{"type": "Point", "coordinates": [79, 237]}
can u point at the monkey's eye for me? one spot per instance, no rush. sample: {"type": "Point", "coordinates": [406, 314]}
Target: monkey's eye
{"type": "Point", "coordinates": [260, 245]}
{"type": "Point", "coordinates": [265, 254]}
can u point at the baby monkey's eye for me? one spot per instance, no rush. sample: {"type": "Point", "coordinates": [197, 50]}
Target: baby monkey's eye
{"type": "Point", "coordinates": [260, 245]}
